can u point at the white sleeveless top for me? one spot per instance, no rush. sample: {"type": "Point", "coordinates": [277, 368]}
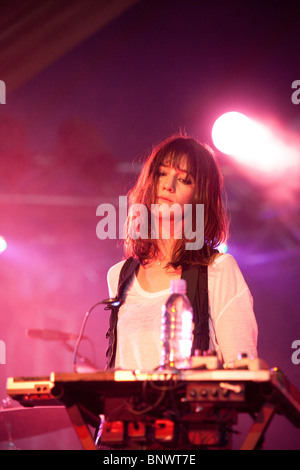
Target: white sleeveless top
{"type": "Point", "coordinates": [232, 325]}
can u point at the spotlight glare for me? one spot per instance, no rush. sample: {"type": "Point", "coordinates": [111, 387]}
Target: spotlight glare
{"type": "Point", "coordinates": [3, 244]}
{"type": "Point", "coordinates": [252, 143]}
{"type": "Point", "coordinates": [230, 131]}
{"type": "Point", "coordinates": [223, 248]}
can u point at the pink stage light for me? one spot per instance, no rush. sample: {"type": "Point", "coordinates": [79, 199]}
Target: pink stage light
{"type": "Point", "coordinates": [223, 248]}
{"type": "Point", "coordinates": [3, 244]}
{"type": "Point", "coordinates": [253, 144]}
{"type": "Point", "coordinates": [229, 133]}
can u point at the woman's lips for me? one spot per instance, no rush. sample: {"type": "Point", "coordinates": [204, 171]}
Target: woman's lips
{"type": "Point", "coordinates": [164, 199]}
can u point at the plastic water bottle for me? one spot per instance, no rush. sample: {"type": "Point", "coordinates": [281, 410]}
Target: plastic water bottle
{"type": "Point", "coordinates": [176, 328]}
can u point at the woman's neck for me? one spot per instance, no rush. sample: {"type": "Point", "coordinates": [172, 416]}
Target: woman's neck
{"type": "Point", "coordinates": [166, 247]}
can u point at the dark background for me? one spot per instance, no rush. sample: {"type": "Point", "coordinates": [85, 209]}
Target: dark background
{"type": "Point", "coordinates": [90, 86]}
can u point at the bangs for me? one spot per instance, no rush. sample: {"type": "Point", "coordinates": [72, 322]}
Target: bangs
{"type": "Point", "coordinates": [179, 162]}
{"type": "Point", "coordinates": [176, 155]}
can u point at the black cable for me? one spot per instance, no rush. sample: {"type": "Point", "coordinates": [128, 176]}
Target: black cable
{"type": "Point", "coordinates": [81, 334]}
{"type": "Point", "coordinates": [109, 304]}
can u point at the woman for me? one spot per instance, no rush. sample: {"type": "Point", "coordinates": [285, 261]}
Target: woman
{"type": "Point", "coordinates": [184, 172]}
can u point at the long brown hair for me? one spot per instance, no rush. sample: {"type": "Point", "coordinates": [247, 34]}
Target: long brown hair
{"type": "Point", "coordinates": [203, 166]}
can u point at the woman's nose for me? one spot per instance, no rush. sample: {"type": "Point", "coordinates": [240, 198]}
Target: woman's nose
{"type": "Point", "coordinates": [169, 184]}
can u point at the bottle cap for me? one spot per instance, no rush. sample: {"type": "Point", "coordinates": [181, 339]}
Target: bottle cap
{"type": "Point", "coordinates": [178, 286]}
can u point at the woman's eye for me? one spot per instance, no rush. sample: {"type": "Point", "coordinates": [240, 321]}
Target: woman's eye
{"type": "Point", "coordinates": [186, 180]}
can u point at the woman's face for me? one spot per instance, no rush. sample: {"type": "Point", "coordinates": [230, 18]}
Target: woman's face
{"type": "Point", "coordinates": [175, 185]}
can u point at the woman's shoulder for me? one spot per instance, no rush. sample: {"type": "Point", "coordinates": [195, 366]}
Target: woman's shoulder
{"type": "Point", "coordinates": [226, 269]}
{"type": "Point", "coordinates": [222, 260]}
{"type": "Point", "coordinates": [223, 263]}
{"type": "Point", "coordinates": [114, 271]}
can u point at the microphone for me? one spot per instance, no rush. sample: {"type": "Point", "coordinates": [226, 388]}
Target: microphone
{"type": "Point", "coordinates": [112, 302]}
{"type": "Point", "coordinates": [50, 335]}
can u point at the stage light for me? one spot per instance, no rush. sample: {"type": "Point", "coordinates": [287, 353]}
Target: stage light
{"type": "Point", "coordinates": [230, 131]}
{"type": "Point", "coordinates": [3, 244]}
{"type": "Point", "coordinates": [223, 248]}
{"type": "Point", "coordinates": [253, 144]}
